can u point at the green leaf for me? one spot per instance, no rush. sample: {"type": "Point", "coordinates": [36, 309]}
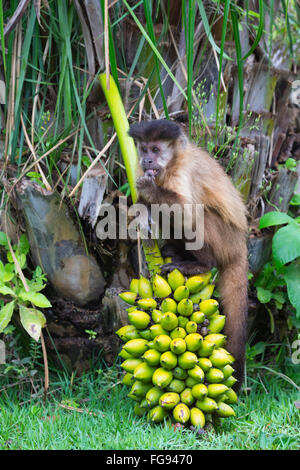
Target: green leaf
{"type": "Point", "coordinates": [4, 290]}
{"type": "Point", "coordinates": [6, 314]}
{"type": "Point", "coordinates": [23, 245]}
{"type": "Point", "coordinates": [295, 201]}
{"type": "Point", "coordinates": [35, 298]}
{"type": "Point", "coordinates": [274, 218]}
{"type": "Point", "coordinates": [292, 279]}
{"type": "Point", "coordinates": [32, 320]}
{"type": "Point", "coordinates": [263, 295]}
{"type": "Point", "coordinates": [3, 239]}
{"type": "Point", "coordinates": [286, 244]}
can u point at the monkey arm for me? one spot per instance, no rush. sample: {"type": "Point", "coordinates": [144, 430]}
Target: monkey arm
{"type": "Point", "coordinates": [151, 193]}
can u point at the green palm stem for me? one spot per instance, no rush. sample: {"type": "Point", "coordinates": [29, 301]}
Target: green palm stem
{"type": "Point", "coordinates": [152, 252]}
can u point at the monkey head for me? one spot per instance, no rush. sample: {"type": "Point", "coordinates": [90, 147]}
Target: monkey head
{"type": "Point", "coordinates": [155, 142]}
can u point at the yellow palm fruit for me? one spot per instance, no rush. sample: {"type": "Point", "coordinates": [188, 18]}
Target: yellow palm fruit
{"type": "Point", "coordinates": [128, 297]}
{"type": "Point", "coordinates": [146, 334]}
{"type": "Point", "coordinates": [230, 381]}
{"type": "Point", "coordinates": [127, 332]}
{"type": "Point", "coordinates": [136, 347]}
{"type": "Point", "coordinates": [139, 389]}
{"type": "Point", "coordinates": [204, 294]}
{"type": "Point", "coordinates": [157, 330]}
{"type": "Point", "coordinates": [216, 324]}
{"type": "Point", "coordinates": [224, 410]}
{"type": "Point", "coordinates": [147, 304]}
{"type": "Point", "coordinates": [181, 413]}
{"type": "Point", "coordinates": [209, 306]}
{"type": "Point", "coordinates": [157, 414]}
{"type": "Point", "coordinates": [178, 345]}
{"type": "Point", "coordinates": [187, 360]}
{"type": "Point", "coordinates": [160, 287]}
{"type": "Point", "coordinates": [197, 418]}
{"type": "Point", "coordinates": [227, 371]}
{"type": "Point", "coordinates": [169, 321]}
{"type": "Point", "coordinates": [169, 305]}
{"type": "Point", "coordinates": [191, 327]}
{"type": "Point", "coordinates": [187, 397]}
{"type": "Point", "coordinates": [169, 400]}
{"type": "Point", "coordinates": [130, 364]}
{"type": "Point", "coordinates": [193, 341]}
{"type": "Point", "coordinates": [139, 319]}
{"type": "Point", "coordinates": [168, 360]}
{"type": "Point", "coordinates": [215, 390]}
{"type": "Point", "coordinates": [152, 357]}
{"type": "Point", "coordinates": [220, 358]}
{"type": "Point", "coordinates": [175, 279]}
{"type": "Point", "coordinates": [143, 372]}
{"type": "Point", "coordinates": [153, 395]}
{"type": "Point", "coordinates": [206, 348]}
{"type": "Point", "coordinates": [178, 332]}
{"type": "Point", "coordinates": [197, 317]}
{"type": "Point", "coordinates": [218, 339]}
{"type": "Point", "coordinates": [156, 315]}
{"type": "Point", "coordinates": [196, 373]}
{"type": "Point", "coordinates": [199, 391]}
{"type": "Point", "coordinates": [185, 307]}
{"type": "Point", "coordinates": [204, 363]}
{"type": "Point", "coordinates": [145, 288]}
{"type": "Point", "coordinates": [128, 379]}
{"type": "Point", "coordinates": [182, 321]}
{"type": "Point", "coordinates": [231, 397]}
{"type": "Point", "coordinates": [162, 377]}
{"type": "Point", "coordinates": [194, 284]}
{"type": "Point", "coordinates": [162, 343]}
{"type": "Point", "coordinates": [207, 404]}
{"type": "Point", "coordinates": [214, 375]}
{"type": "Point", "coordinates": [168, 259]}
{"type": "Point", "coordinates": [182, 292]}
{"type": "Point", "coordinates": [134, 286]}
{"type": "Point", "coordinates": [124, 354]}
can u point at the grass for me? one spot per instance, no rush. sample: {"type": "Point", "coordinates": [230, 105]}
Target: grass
{"type": "Point", "coordinates": [93, 412]}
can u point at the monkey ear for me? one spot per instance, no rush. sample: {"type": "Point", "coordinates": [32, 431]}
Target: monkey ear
{"type": "Point", "coordinates": [183, 139]}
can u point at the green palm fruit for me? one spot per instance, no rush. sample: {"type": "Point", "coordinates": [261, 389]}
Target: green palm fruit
{"type": "Point", "coordinates": [195, 283]}
{"type": "Point", "coordinates": [178, 345]}
{"type": "Point", "coordinates": [134, 397]}
{"type": "Point", "coordinates": [193, 341]}
{"type": "Point", "coordinates": [157, 414]}
{"type": "Point", "coordinates": [139, 319]}
{"type": "Point", "coordinates": [175, 279]}
{"type": "Point", "coordinates": [176, 386]}
{"type": "Point", "coordinates": [179, 373]}
{"type": "Point", "coordinates": [227, 371]}
{"type": "Point", "coordinates": [169, 400]}
{"type": "Point", "coordinates": [197, 317]}
{"type": "Point", "coordinates": [144, 372]}
{"type": "Point", "coordinates": [124, 354]}
{"type": "Point", "coordinates": [207, 404]}
{"type": "Point", "coordinates": [145, 288]}
{"type": "Point", "coordinates": [214, 375]}
{"type": "Point", "coordinates": [231, 397]}
{"type": "Point", "coordinates": [168, 360]}
{"type": "Point", "coordinates": [191, 327]}
{"type": "Point", "coordinates": [181, 413]}
{"type": "Point", "coordinates": [182, 292]}
{"type": "Point", "coordinates": [169, 305]}
{"type": "Point", "coordinates": [134, 286]}
{"type": "Point", "coordinates": [139, 389]}
{"type": "Point", "coordinates": [197, 418]}
{"type": "Point", "coordinates": [206, 348]}
{"type": "Point", "coordinates": [215, 390]}
{"type": "Point", "coordinates": [190, 382]}
{"type": "Point", "coordinates": [187, 397]}
{"type": "Point", "coordinates": [199, 391]}
{"type": "Point", "coordinates": [204, 363]}
{"type": "Point", "coordinates": [152, 357]}
{"type": "Point", "coordinates": [147, 304]}
{"type": "Point", "coordinates": [224, 410]}
{"type": "Point", "coordinates": [228, 353]}
{"type": "Point", "coordinates": [216, 323]}
{"type": "Point", "coordinates": [187, 360]}
{"type": "Point", "coordinates": [182, 321]}
{"type": "Point", "coordinates": [153, 395]}
{"type": "Point", "coordinates": [130, 364]}
{"type": "Point", "coordinates": [230, 381]}
{"type": "Point", "coordinates": [162, 343]}
{"type": "Point", "coordinates": [128, 379]}
{"type": "Point", "coordinates": [128, 332]}
{"type": "Point", "coordinates": [128, 297]}
{"type": "Point", "coordinates": [178, 332]}
{"type": "Point", "coordinates": [218, 339]}
{"type": "Point", "coordinates": [157, 330]}
{"type": "Point", "coordinates": [204, 294]}
{"type": "Point", "coordinates": [136, 347]}
{"type": "Point", "coordinates": [146, 334]}
{"type": "Point", "coordinates": [140, 410]}
{"type": "Point", "coordinates": [209, 306]}
{"type": "Point", "coordinates": [150, 344]}
{"type": "Point", "coordinates": [156, 315]}
{"type": "Point", "coordinates": [185, 307]}
{"type": "Point", "coordinates": [162, 377]}
{"type": "Point", "coordinates": [196, 373]}
{"type": "Point", "coordinates": [220, 358]}
{"type": "Point", "coordinates": [160, 287]}
{"type": "Point", "coordinates": [168, 259]}
{"type": "Point", "coordinates": [169, 321]}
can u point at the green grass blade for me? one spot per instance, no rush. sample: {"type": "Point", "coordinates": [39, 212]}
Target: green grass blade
{"type": "Point", "coordinates": [189, 23]}
{"type": "Point", "coordinates": [260, 29]}
{"type": "Point", "coordinates": [2, 37]}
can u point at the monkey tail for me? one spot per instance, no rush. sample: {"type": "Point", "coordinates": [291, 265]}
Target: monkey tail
{"type": "Point", "coordinates": [233, 286]}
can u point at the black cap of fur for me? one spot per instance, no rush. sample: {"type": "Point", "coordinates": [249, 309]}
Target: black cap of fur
{"type": "Point", "coordinates": [159, 129]}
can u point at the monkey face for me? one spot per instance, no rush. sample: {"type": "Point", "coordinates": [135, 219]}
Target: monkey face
{"type": "Point", "coordinates": [154, 156]}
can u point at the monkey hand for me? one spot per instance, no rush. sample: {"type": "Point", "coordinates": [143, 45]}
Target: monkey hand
{"type": "Point", "coordinates": [146, 187]}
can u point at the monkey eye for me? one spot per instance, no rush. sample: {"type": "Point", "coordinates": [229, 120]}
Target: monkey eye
{"type": "Point", "coordinates": [155, 149]}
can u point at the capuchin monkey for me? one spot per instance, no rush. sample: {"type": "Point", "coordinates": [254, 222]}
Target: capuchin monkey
{"type": "Point", "coordinates": [178, 172]}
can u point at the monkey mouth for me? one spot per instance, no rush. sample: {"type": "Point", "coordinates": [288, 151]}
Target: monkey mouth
{"type": "Point", "coordinates": [151, 172]}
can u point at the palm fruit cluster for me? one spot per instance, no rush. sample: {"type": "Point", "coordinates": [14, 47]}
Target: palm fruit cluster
{"type": "Point", "coordinates": [173, 355]}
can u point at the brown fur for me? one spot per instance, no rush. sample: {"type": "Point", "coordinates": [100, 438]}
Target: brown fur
{"type": "Point", "coordinates": [192, 176]}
